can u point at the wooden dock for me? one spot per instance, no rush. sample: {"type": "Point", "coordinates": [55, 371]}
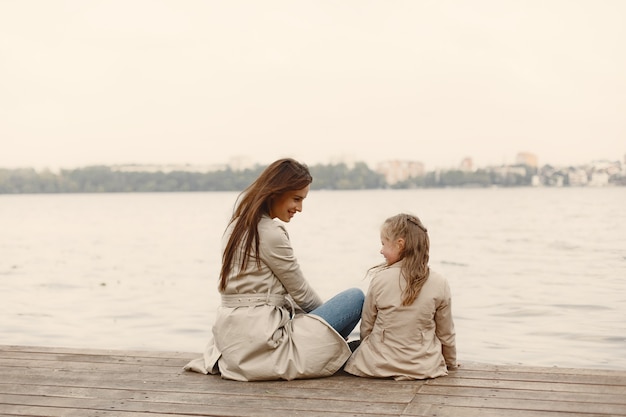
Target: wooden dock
{"type": "Point", "coordinates": [51, 382]}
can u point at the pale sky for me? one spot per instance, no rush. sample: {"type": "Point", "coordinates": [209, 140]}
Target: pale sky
{"type": "Point", "coordinates": [86, 82]}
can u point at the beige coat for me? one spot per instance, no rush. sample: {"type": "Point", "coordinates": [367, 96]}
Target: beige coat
{"type": "Point", "coordinates": [256, 335]}
{"type": "Point", "coordinates": [405, 342]}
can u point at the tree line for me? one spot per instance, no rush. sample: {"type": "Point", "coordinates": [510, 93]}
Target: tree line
{"type": "Point", "coordinates": [105, 179]}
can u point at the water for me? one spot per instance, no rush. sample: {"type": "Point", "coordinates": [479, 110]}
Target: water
{"type": "Point", "coordinates": [538, 276]}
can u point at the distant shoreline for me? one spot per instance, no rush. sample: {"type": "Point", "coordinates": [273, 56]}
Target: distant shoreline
{"type": "Point", "coordinates": [107, 179]}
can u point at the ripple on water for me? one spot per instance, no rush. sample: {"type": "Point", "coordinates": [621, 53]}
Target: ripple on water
{"type": "Point", "coordinates": [452, 263]}
{"type": "Point", "coordinates": [582, 306]}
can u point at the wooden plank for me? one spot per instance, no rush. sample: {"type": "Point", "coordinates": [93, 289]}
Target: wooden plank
{"type": "Point", "coordinates": [525, 394]}
{"type": "Point", "coordinates": [430, 410]}
{"type": "Point", "coordinates": [614, 378]}
{"type": "Point", "coordinates": [537, 369]}
{"type": "Point", "coordinates": [546, 386]}
{"type": "Point", "coordinates": [99, 352]}
{"type": "Point", "coordinates": [279, 391]}
{"type": "Point", "coordinates": [209, 406]}
{"type": "Point", "coordinates": [507, 404]}
{"type": "Point", "coordinates": [44, 411]}
{"type": "Point", "coordinates": [49, 360]}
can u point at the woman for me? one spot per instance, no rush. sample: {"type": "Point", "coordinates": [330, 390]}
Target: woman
{"type": "Point", "coordinates": [257, 335]}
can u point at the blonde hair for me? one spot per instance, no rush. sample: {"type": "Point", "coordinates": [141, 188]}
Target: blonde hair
{"type": "Point", "coordinates": [415, 254]}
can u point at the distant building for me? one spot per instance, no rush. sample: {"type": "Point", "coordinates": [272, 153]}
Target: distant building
{"type": "Point", "coordinates": [559, 180]}
{"type": "Point", "coordinates": [599, 179]}
{"type": "Point", "coordinates": [396, 171]}
{"type": "Point", "coordinates": [467, 165]}
{"type": "Point", "coordinates": [577, 177]}
{"type": "Point", "coordinates": [604, 165]}
{"type": "Point", "coordinates": [240, 163]}
{"type": "Point", "coordinates": [526, 158]}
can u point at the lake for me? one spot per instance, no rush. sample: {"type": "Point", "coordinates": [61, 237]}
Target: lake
{"type": "Point", "coordinates": [538, 275]}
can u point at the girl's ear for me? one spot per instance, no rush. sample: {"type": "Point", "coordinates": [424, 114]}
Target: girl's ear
{"type": "Point", "coordinates": [400, 243]}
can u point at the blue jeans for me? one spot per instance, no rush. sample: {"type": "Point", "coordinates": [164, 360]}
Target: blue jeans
{"type": "Point", "coordinates": [343, 311]}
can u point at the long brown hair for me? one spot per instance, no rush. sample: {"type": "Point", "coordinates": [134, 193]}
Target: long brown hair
{"type": "Point", "coordinates": [415, 254]}
{"type": "Point", "coordinates": [281, 176]}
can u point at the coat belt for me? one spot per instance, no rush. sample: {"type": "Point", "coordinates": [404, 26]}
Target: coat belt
{"type": "Point", "coordinates": [247, 300]}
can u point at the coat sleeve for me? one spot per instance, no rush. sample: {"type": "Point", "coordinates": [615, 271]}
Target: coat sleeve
{"type": "Point", "coordinates": [369, 313]}
{"type": "Point", "coordinates": [445, 328]}
{"type": "Point", "coordinates": [278, 255]}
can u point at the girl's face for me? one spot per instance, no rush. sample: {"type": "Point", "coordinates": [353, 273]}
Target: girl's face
{"type": "Point", "coordinates": [392, 249]}
{"type": "Point", "coordinates": [286, 205]}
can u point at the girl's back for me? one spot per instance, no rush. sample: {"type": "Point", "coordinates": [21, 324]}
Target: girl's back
{"type": "Point", "coordinates": [405, 342]}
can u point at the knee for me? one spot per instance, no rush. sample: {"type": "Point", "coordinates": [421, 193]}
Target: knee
{"type": "Point", "coordinates": [356, 294]}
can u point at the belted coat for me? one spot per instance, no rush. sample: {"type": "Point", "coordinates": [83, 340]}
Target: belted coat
{"type": "Point", "coordinates": [257, 334]}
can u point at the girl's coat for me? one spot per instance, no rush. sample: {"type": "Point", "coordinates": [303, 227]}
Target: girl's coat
{"type": "Point", "coordinates": [405, 342]}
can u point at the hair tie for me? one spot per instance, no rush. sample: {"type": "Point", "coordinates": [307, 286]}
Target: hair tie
{"type": "Point", "coordinates": [411, 219]}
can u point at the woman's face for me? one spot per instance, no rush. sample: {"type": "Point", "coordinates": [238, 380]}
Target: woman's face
{"type": "Point", "coordinates": [286, 205]}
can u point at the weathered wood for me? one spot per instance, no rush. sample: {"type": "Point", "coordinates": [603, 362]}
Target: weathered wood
{"type": "Point", "coordinates": [45, 381]}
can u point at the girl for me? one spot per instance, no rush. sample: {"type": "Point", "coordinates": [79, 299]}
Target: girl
{"type": "Point", "coordinates": [257, 335]}
{"type": "Point", "coordinates": [407, 331]}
